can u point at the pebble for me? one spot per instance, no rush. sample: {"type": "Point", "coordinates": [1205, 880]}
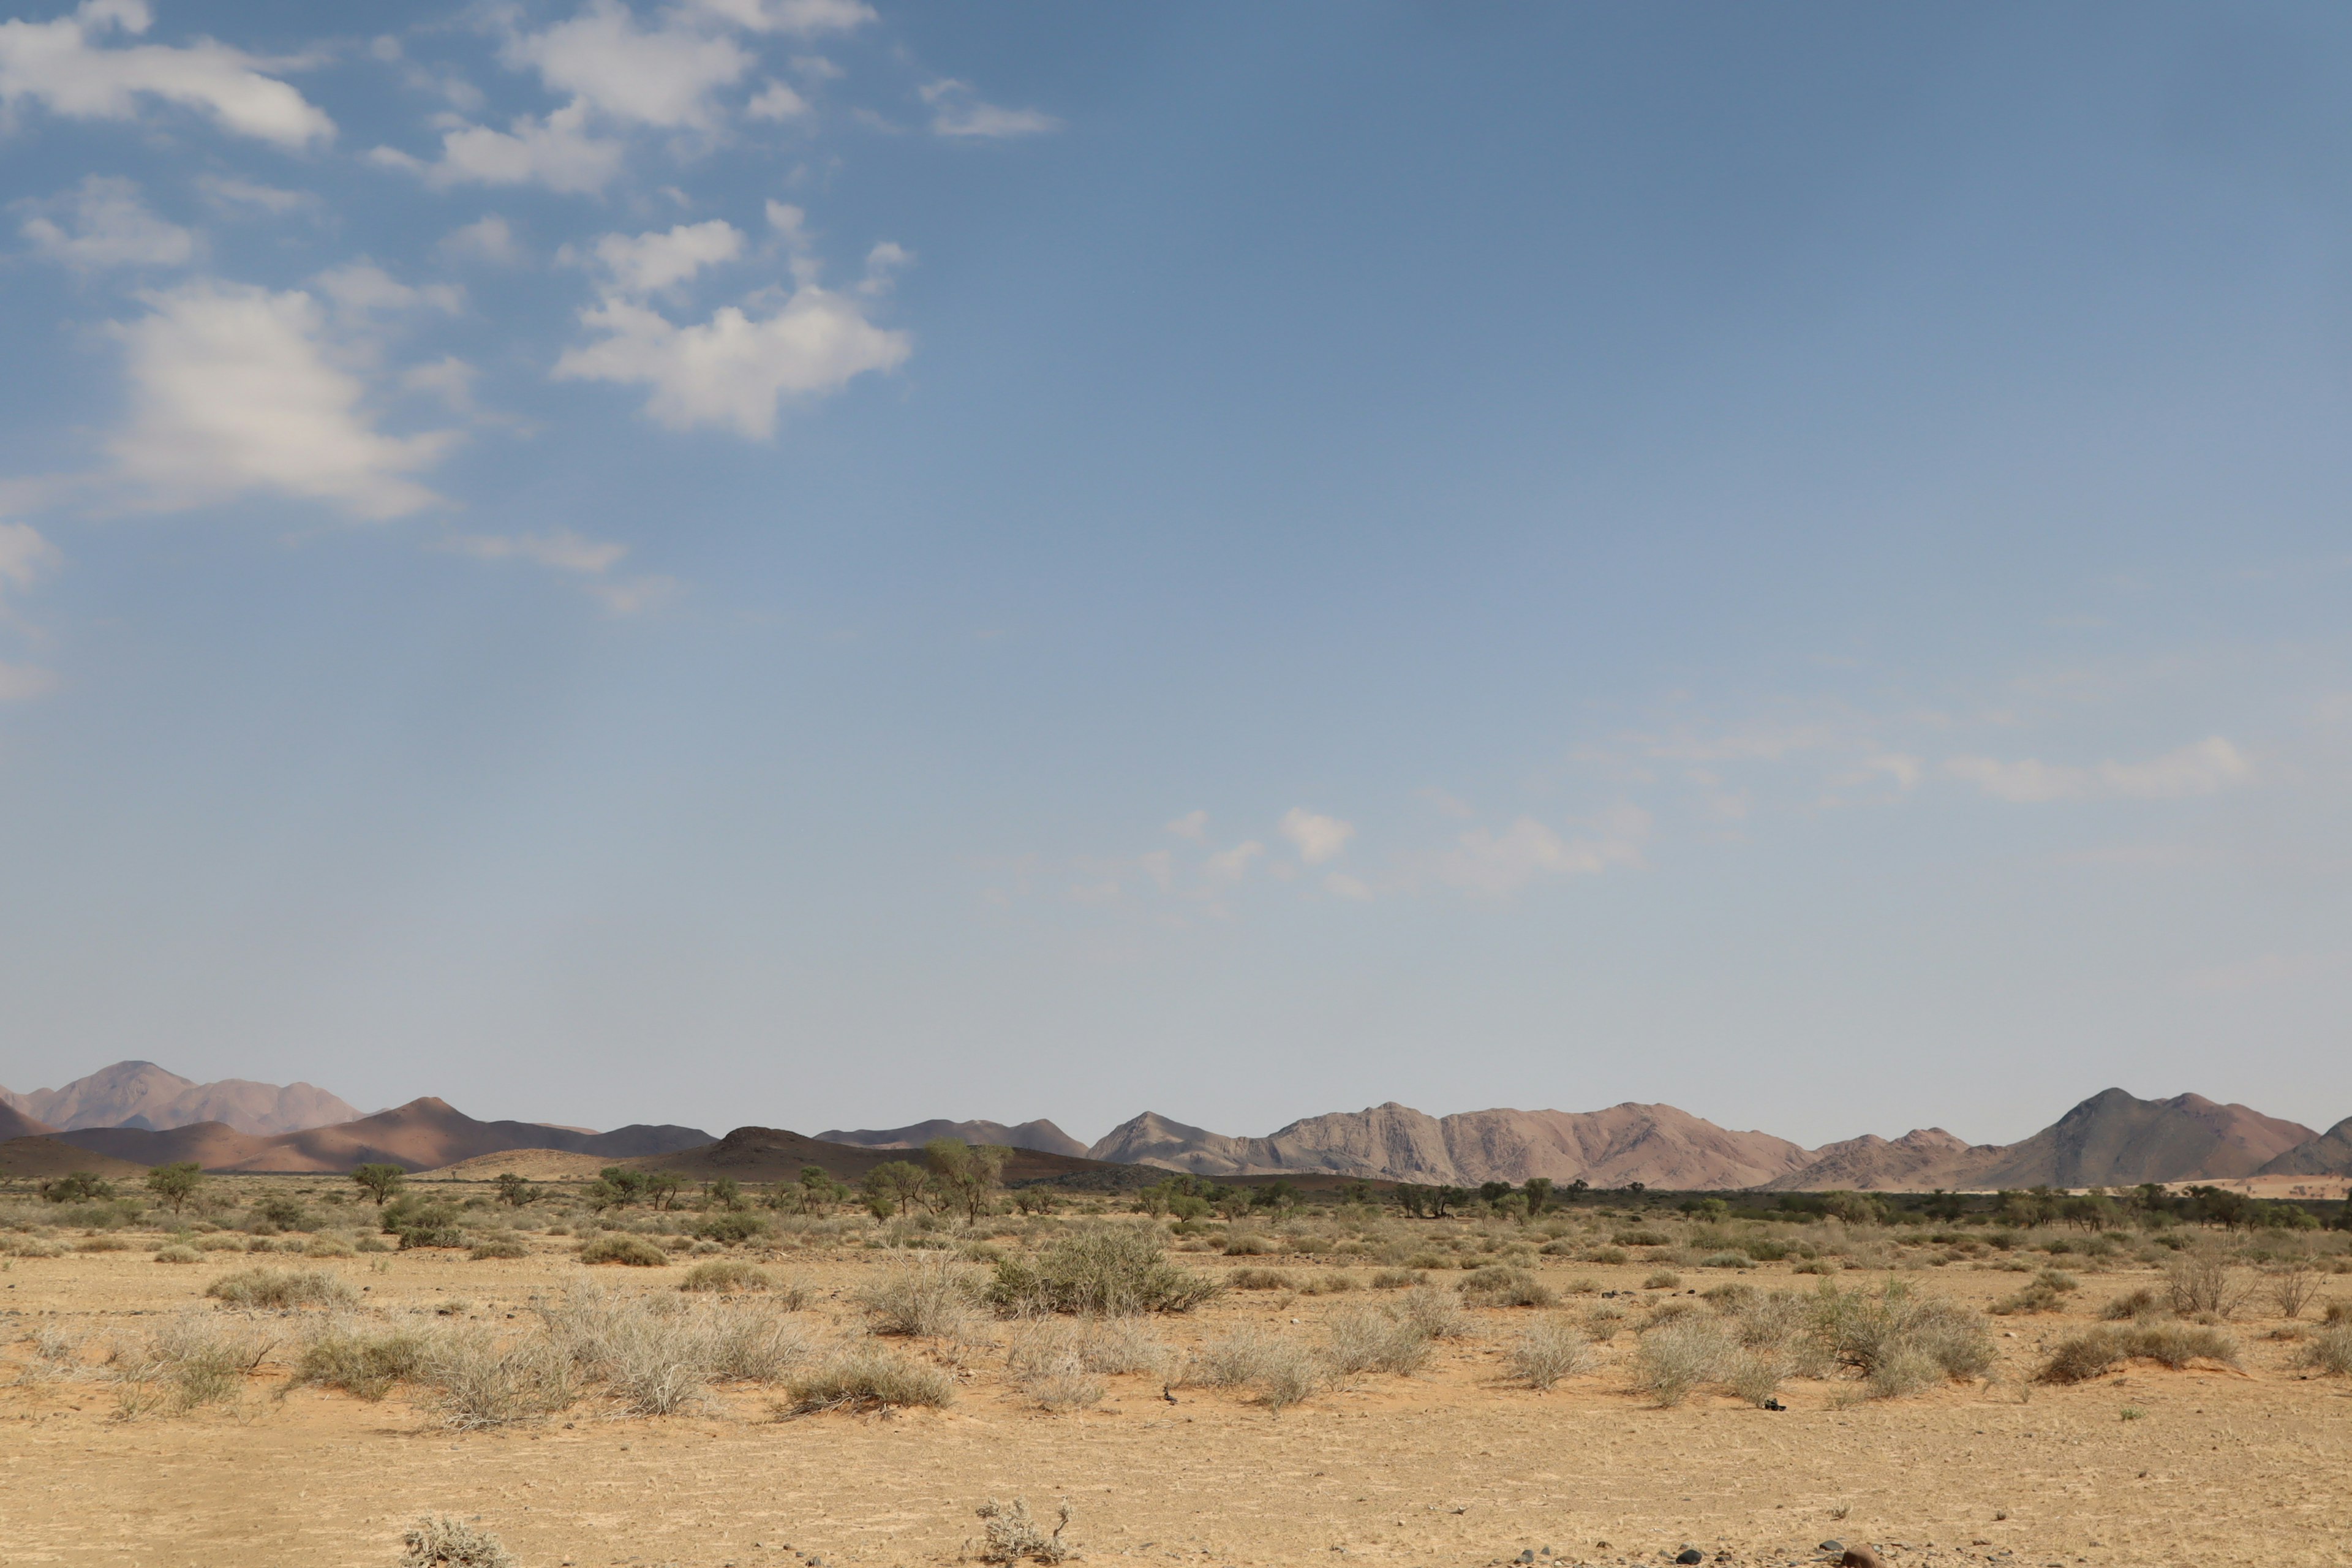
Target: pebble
{"type": "Point", "coordinates": [1833, 1546]}
{"type": "Point", "coordinates": [1690, 1555]}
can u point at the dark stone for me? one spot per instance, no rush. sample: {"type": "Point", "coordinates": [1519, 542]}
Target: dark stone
{"type": "Point", "coordinates": [1690, 1555]}
{"type": "Point", "coordinates": [1833, 1546]}
{"type": "Point", "coordinates": [1774, 1405]}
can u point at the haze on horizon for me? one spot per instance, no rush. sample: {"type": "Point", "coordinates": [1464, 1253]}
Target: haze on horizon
{"type": "Point", "coordinates": [830, 565]}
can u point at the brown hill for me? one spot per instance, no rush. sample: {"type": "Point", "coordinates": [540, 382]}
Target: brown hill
{"type": "Point", "coordinates": [15, 1123]}
{"type": "Point", "coordinates": [1040, 1135]}
{"type": "Point", "coordinates": [2329, 1154]}
{"type": "Point", "coordinates": [143, 1095]}
{"type": "Point", "coordinates": [773, 1154]}
{"type": "Point", "coordinates": [1655, 1144]}
{"type": "Point", "coordinates": [532, 1165]}
{"type": "Point", "coordinates": [41, 1158]}
{"type": "Point", "coordinates": [2115, 1140]}
{"type": "Point", "coordinates": [1923, 1158]}
{"type": "Point", "coordinates": [421, 1135]}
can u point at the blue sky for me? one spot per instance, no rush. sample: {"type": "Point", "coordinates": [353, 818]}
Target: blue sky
{"type": "Point", "coordinates": [795, 562]}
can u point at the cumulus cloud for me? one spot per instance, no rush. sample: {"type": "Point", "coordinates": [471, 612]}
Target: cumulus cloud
{"type": "Point", "coordinates": [800, 18]}
{"type": "Point", "coordinates": [1232, 865]}
{"type": "Point", "coordinates": [69, 65]}
{"type": "Point", "coordinates": [2207, 767]}
{"type": "Point", "coordinates": [487, 239]}
{"type": "Point", "coordinates": [224, 191]}
{"type": "Point", "coordinates": [731, 370]}
{"type": "Point", "coordinates": [776, 101]}
{"type": "Point", "coordinates": [649, 263]}
{"type": "Point", "coordinates": [665, 78]}
{"type": "Point", "coordinates": [956, 110]}
{"type": "Point", "coordinates": [107, 224]}
{"type": "Point", "coordinates": [1193, 824]}
{"type": "Point", "coordinates": [362, 287]}
{"type": "Point", "coordinates": [559, 153]}
{"type": "Point", "coordinates": [233, 389]}
{"type": "Point", "coordinates": [25, 556]}
{"type": "Point", "coordinates": [1499, 863]}
{"type": "Point", "coordinates": [1319, 837]}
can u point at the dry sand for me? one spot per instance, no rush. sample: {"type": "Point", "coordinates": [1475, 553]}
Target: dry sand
{"type": "Point", "coordinates": [1447, 1467]}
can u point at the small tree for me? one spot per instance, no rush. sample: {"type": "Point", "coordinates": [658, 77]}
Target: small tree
{"type": "Point", "coordinates": [892, 1187]}
{"type": "Point", "coordinates": [662, 1187]}
{"type": "Point", "coordinates": [966, 1173]}
{"type": "Point", "coordinates": [513, 1190]}
{"type": "Point", "coordinates": [381, 1182]}
{"type": "Point", "coordinates": [76, 1187]}
{"type": "Point", "coordinates": [1538, 1195]}
{"type": "Point", "coordinates": [614, 1187]}
{"type": "Point", "coordinates": [722, 1192]}
{"type": "Point", "coordinates": [176, 1184]}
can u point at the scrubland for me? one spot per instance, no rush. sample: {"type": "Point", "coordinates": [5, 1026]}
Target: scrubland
{"type": "Point", "coordinates": [269, 1376]}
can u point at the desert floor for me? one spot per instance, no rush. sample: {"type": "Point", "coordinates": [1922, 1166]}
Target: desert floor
{"type": "Point", "coordinates": [1447, 1467]}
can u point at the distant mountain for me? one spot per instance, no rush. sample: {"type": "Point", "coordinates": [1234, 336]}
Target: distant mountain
{"type": "Point", "coordinates": [1655, 1144]}
{"type": "Point", "coordinates": [2329, 1154]}
{"type": "Point", "coordinates": [1041, 1135]}
{"type": "Point", "coordinates": [15, 1123]}
{"type": "Point", "coordinates": [38, 1158]}
{"type": "Point", "coordinates": [421, 1135]}
{"type": "Point", "coordinates": [1925, 1157]}
{"type": "Point", "coordinates": [773, 1154]}
{"type": "Point", "coordinates": [141, 1094]}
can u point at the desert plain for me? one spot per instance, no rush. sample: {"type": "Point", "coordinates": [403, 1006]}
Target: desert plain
{"type": "Point", "coordinates": [2238, 1457]}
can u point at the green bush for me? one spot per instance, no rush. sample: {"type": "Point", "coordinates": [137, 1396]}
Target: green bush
{"type": "Point", "coordinates": [1107, 1270]}
{"type": "Point", "coordinates": [1500, 1285]}
{"type": "Point", "coordinates": [619, 1246]}
{"type": "Point", "coordinates": [178, 1254]}
{"type": "Point", "coordinates": [504, 1246]}
{"type": "Point", "coordinates": [364, 1364]}
{"type": "Point", "coordinates": [730, 1227]}
{"type": "Point", "coordinates": [1641, 1237]}
{"type": "Point", "coordinates": [1261, 1279]}
{"type": "Point", "coordinates": [2175, 1346]}
{"type": "Point", "coordinates": [726, 1276]}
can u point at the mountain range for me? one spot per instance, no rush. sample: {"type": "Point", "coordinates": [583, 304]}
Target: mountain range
{"type": "Point", "coordinates": [2111, 1139]}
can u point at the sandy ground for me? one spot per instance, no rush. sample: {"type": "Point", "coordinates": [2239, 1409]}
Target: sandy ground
{"type": "Point", "coordinates": [1449, 1467]}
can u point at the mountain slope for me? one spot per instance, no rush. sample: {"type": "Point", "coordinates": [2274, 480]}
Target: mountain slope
{"type": "Point", "coordinates": [420, 1135]}
{"type": "Point", "coordinates": [141, 1094]}
{"type": "Point", "coordinates": [2329, 1154]}
{"type": "Point", "coordinates": [1925, 1157]}
{"type": "Point", "coordinates": [773, 1154]}
{"type": "Point", "coordinates": [1041, 1135]}
{"type": "Point", "coordinates": [16, 1123]}
{"type": "Point", "coordinates": [2114, 1139]}
{"type": "Point", "coordinates": [1655, 1144]}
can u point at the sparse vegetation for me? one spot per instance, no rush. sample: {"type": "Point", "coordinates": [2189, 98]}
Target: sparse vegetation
{"type": "Point", "coordinates": [925, 1297]}
{"type": "Point", "coordinates": [869, 1378]}
{"type": "Point", "coordinates": [1374, 1339]}
{"type": "Point", "coordinates": [1545, 1352]}
{"type": "Point", "coordinates": [1013, 1537]}
{"type": "Point", "coordinates": [2088, 1355]}
{"type": "Point", "coordinates": [282, 1287]}
{"type": "Point", "coordinates": [1104, 1271]}
{"type": "Point", "coordinates": [452, 1543]}
{"type": "Point", "coordinates": [618, 1247]}
{"type": "Point", "coordinates": [360, 1363]}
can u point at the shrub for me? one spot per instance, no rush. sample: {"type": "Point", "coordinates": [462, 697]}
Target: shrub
{"type": "Point", "coordinates": [363, 1364]}
{"type": "Point", "coordinates": [926, 1295]}
{"type": "Point", "coordinates": [619, 1246]}
{"type": "Point", "coordinates": [178, 1254]}
{"type": "Point", "coordinates": [2203, 1281]}
{"type": "Point", "coordinates": [1500, 1285]}
{"type": "Point", "coordinates": [1664, 1279]}
{"type": "Point", "coordinates": [2046, 1294]}
{"type": "Point", "coordinates": [733, 1228]}
{"type": "Point", "coordinates": [450, 1543]}
{"type": "Point", "coordinates": [1546, 1352]}
{"type": "Point", "coordinates": [1332, 1284]}
{"type": "Point", "coordinates": [2175, 1346]}
{"type": "Point", "coordinates": [476, 1383]}
{"type": "Point", "coordinates": [498, 1246]}
{"type": "Point", "coordinates": [1241, 1243]}
{"type": "Point", "coordinates": [2330, 1351]}
{"type": "Point", "coordinates": [1727, 1261]}
{"type": "Point", "coordinates": [1107, 1270]}
{"type": "Point", "coordinates": [1275, 1369]}
{"type": "Point", "coordinates": [725, 1276]}
{"type": "Point", "coordinates": [2135, 1306]}
{"type": "Point", "coordinates": [1013, 1535]}
{"type": "Point", "coordinates": [327, 1247]}
{"type": "Point", "coordinates": [1260, 1279]}
{"type": "Point", "coordinates": [1437, 1313]}
{"type": "Point", "coordinates": [2293, 1285]}
{"type": "Point", "coordinates": [1754, 1374]}
{"type": "Point", "coordinates": [190, 1362]}
{"type": "Point", "coordinates": [282, 1287]}
{"type": "Point", "coordinates": [1607, 1255]}
{"type": "Point", "coordinates": [1394, 1278]}
{"type": "Point", "coordinates": [869, 1378]}
{"type": "Point", "coordinates": [1102, 1345]}
{"type": "Point", "coordinates": [1366, 1339]}
{"type": "Point", "coordinates": [1642, 1236]}
{"type": "Point", "coordinates": [1678, 1357]}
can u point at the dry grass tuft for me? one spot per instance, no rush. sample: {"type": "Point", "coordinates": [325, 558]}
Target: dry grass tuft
{"type": "Point", "coordinates": [2085, 1356]}
{"type": "Point", "coordinates": [282, 1287]}
{"type": "Point", "coordinates": [616, 1247]}
{"type": "Point", "coordinates": [867, 1377]}
{"type": "Point", "coordinates": [2330, 1351]}
{"type": "Point", "coordinates": [452, 1543]}
{"type": "Point", "coordinates": [1013, 1535]}
{"type": "Point", "coordinates": [1372, 1338]}
{"type": "Point", "coordinates": [928, 1297]}
{"type": "Point", "coordinates": [1547, 1351]}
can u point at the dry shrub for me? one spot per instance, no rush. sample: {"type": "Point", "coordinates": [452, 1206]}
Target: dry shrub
{"type": "Point", "coordinates": [2175, 1346]}
{"type": "Point", "coordinates": [1013, 1535]}
{"type": "Point", "coordinates": [1242, 1244]}
{"type": "Point", "coordinates": [2203, 1281]}
{"type": "Point", "coordinates": [1369, 1339]}
{"type": "Point", "coordinates": [1261, 1279]}
{"type": "Point", "coordinates": [753, 1344]}
{"type": "Point", "coordinates": [282, 1287]}
{"type": "Point", "coordinates": [1276, 1369]}
{"type": "Point", "coordinates": [1437, 1313]}
{"type": "Point", "coordinates": [2046, 1294]}
{"type": "Point", "coordinates": [1600, 1321]}
{"type": "Point", "coordinates": [867, 1377]}
{"type": "Point", "coordinates": [2139, 1306]}
{"type": "Point", "coordinates": [101, 1244]}
{"type": "Point", "coordinates": [498, 1246]}
{"type": "Point", "coordinates": [190, 1362]}
{"type": "Point", "coordinates": [178, 1254]}
{"type": "Point", "coordinates": [1108, 1346]}
{"type": "Point", "coordinates": [361, 1364]}
{"type": "Point", "coordinates": [2293, 1285]}
{"type": "Point", "coordinates": [1664, 1279]}
{"type": "Point", "coordinates": [452, 1543]}
{"type": "Point", "coordinates": [2330, 1351]}
{"type": "Point", "coordinates": [1500, 1285]}
{"type": "Point", "coordinates": [1394, 1278]}
{"type": "Point", "coordinates": [327, 1247]}
{"type": "Point", "coordinates": [928, 1297]}
{"type": "Point", "coordinates": [1103, 1271]}
{"type": "Point", "coordinates": [1677, 1356]}
{"type": "Point", "coordinates": [1332, 1284]}
{"type": "Point", "coordinates": [726, 1276]}
{"type": "Point", "coordinates": [618, 1247]}
{"type": "Point", "coordinates": [1900, 1342]}
{"type": "Point", "coordinates": [1754, 1374]}
{"type": "Point", "coordinates": [1545, 1352]}
{"type": "Point", "coordinates": [477, 1381]}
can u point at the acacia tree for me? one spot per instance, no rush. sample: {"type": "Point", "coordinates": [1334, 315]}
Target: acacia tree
{"type": "Point", "coordinates": [176, 1184]}
{"type": "Point", "coordinates": [513, 1190]}
{"type": "Point", "coordinates": [380, 1182]}
{"type": "Point", "coordinates": [966, 1173]}
{"type": "Point", "coordinates": [892, 1187]}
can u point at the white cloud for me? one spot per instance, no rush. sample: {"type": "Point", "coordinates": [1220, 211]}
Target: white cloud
{"type": "Point", "coordinates": [801, 18]}
{"type": "Point", "coordinates": [635, 596]}
{"type": "Point", "coordinates": [359, 287]}
{"type": "Point", "coordinates": [107, 226]}
{"type": "Point", "coordinates": [25, 555]}
{"type": "Point", "coordinates": [883, 265]}
{"type": "Point", "coordinates": [559, 548]}
{"type": "Point", "coordinates": [22, 682]}
{"type": "Point", "coordinates": [956, 112]}
{"type": "Point", "coordinates": [1319, 837]}
{"type": "Point", "coordinates": [649, 263]}
{"type": "Point", "coordinates": [559, 153]}
{"type": "Point", "coordinates": [487, 239]}
{"type": "Point", "coordinates": [601, 57]}
{"type": "Point", "coordinates": [777, 101]}
{"type": "Point", "coordinates": [222, 190]}
{"type": "Point", "coordinates": [731, 370]}
{"type": "Point", "coordinates": [1193, 824]}
{"type": "Point", "coordinates": [2206, 768]}
{"type": "Point", "coordinates": [1495, 864]}
{"type": "Point", "coordinates": [65, 65]}
{"type": "Point", "coordinates": [1231, 865]}
{"type": "Point", "coordinates": [233, 389]}
{"type": "Point", "coordinates": [1346, 887]}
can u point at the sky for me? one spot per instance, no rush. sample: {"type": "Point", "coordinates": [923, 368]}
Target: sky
{"type": "Point", "coordinates": [822, 565]}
